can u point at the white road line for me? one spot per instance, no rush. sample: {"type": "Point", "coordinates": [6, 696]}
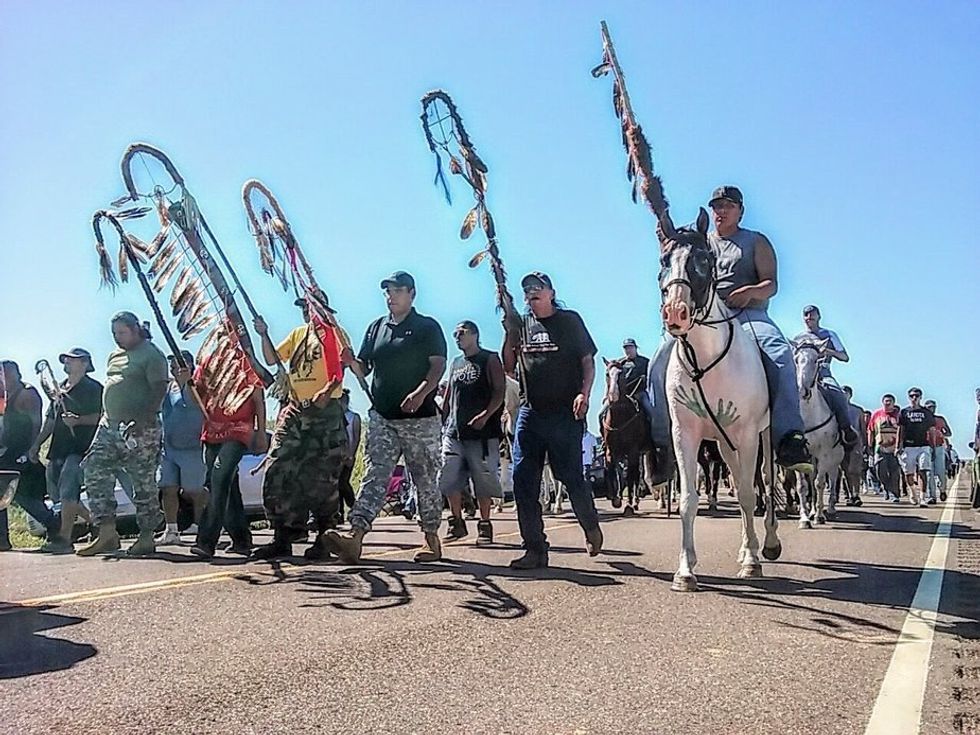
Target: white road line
{"type": "Point", "coordinates": [898, 708]}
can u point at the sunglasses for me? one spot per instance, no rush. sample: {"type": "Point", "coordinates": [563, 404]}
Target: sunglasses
{"type": "Point", "coordinates": [915, 395]}
{"type": "Point", "coordinates": [533, 288]}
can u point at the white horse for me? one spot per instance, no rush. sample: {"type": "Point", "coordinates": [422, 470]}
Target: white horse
{"type": "Point", "coordinates": [822, 433]}
{"type": "Point", "coordinates": [716, 389]}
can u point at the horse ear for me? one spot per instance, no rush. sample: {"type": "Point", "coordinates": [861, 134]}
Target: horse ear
{"type": "Point", "coordinates": [824, 344]}
{"type": "Point", "coordinates": [702, 223]}
{"type": "Point", "coordinates": [604, 360]}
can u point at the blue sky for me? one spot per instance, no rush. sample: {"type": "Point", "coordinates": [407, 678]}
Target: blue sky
{"type": "Point", "coordinates": [850, 127]}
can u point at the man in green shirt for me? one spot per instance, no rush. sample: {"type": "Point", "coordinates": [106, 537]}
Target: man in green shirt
{"type": "Point", "coordinates": [128, 436]}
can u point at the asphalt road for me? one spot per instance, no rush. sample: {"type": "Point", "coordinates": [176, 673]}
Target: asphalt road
{"type": "Point", "coordinates": [174, 645]}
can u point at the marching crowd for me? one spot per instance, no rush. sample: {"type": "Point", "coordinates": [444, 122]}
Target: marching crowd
{"type": "Point", "coordinates": [155, 428]}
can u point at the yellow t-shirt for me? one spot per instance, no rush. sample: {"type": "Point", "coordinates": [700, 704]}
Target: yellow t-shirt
{"type": "Point", "coordinates": [302, 353]}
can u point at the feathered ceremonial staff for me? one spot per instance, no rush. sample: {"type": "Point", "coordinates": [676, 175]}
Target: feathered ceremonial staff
{"type": "Point", "coordinates": [200, 297]}
{"type": "Point", "coordinates": [282, 257]}
{"type": "Point", "coordinates": [445, 133]}
{"type": "Point", "coordinates": [639, 162]}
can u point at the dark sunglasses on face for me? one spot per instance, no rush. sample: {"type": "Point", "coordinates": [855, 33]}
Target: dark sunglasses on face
{"type": "Point", "coordinates": [533, 288]}
{"type": "Point", "coordinates": [915, 395]}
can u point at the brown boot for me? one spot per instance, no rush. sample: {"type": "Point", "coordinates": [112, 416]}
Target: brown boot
{"type": "Point", "coordinates": [346, 546]}
{"type": "Point", "coordinates": [144, 546]}
{"type": "Point", "coordinates": [107, 541]}
{"type": "Point", "coordinates": [431, 550]}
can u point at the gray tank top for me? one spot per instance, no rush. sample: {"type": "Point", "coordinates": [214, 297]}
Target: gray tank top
{"type": "Point", "coordinates": [736, 262]}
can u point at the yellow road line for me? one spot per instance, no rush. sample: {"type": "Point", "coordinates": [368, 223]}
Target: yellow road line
{"type": "Point", "coordinates": [105, 593]}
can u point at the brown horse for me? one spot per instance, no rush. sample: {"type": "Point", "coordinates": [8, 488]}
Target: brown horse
{"type": "Point", "coordinates": [626, 439]}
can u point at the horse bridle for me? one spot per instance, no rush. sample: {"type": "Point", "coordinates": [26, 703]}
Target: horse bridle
{"type": "Point", "coordinates": [813, 386]}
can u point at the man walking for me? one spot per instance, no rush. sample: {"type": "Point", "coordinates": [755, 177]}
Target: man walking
{"type": "Point", "coordinates": [938, 436]}
{"type": "Point", "coordinates": [553, 355]}
{"type": "Point", "coordinates": [71, 426]}
{"type": "Point", "coordinates": [310, 439]}
{"type": "Point", "coordinates": [746, 281]}
{"type": "Point", "coordinates": [472, 432]}
{"type": "Point", "coordinates": [182, 469]}
{"type": "Point", "coordinates": [914, 424]}
{"type": "Point", "coordinates": [883, 444]}
{"type": "Point", "coordinates": [128, 437]}
{"type": "Point", "coordinates": [827, 384]}
{"type": "Point", "coordinates": [21, 424]}
{"type": "Point", "coordinates": [406, 352]}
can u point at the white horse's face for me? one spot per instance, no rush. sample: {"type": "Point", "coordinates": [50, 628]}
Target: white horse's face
{"type": "Point", "coordinates": [613, 371]}
{"type": "Point", "coordinates": [808, 356]}
{"type": "Point", "coordinates": [686, 277]}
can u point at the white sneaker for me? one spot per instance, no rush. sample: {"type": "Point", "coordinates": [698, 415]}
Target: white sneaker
{"type": "Point", "coordinates": [923, 504]}
{"type": "Point", "coordinates": [169, 538]}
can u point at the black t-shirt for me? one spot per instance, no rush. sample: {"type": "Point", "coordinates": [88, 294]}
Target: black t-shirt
{"type": "Point", "coordinates": [550, 368]}
{"type": "Point", "coordinates": [634, 371]}
{"type": "Point", "coordinates": [469, 393]}
{"type": "Point", "coordinates": [915, 423]}
{"type": "Point", "coordinates": [399, 355]}
{"type": "Point", "coordinates": [82, 400]}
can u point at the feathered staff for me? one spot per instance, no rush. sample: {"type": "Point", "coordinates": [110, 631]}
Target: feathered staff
{"type": "Point", "coordinates": [51, 388]}
{"type": "Point", "coordinates": [445, 133]}
{"type": "Point", "coordinates": [282, 257]}
{"type": "Point", "coordinates": [200, 297]}
{"type": "Point", "coordinates": [639, 162]}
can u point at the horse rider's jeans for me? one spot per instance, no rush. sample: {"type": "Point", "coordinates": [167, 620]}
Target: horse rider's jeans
{"type": "Point", "coordinates": [387, 440]}
{"type": "Point", "coordinates": [777, 360]}
{"type": "Point", "coordinates": [557, 435]}
{"type": "Point", "coordinates": [644, 399]}
{"type": "Point", "coordinates": [836, 399]}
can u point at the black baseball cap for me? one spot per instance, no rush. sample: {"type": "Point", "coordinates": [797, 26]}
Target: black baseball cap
{"type": "Point", "coordinates": [78, 353]}
{"type": "Point", "coordinates": [810, 307]}
{"type": "Point", "coordinates": [318, 296]}
{"type": "Point", "coordinates": [731, 193]}
{"type": "Point", "coordinates": [399, 278]}
{"type": "Point", "coordinates": [629, 342]}
{"type": "Point", "coordinates": [537, 277]}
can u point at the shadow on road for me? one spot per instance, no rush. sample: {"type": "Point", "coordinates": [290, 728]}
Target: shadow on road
{"type": "Point", "coordinates": [862, 520]}
{"type": "Point", "coordinates": [25, 652]}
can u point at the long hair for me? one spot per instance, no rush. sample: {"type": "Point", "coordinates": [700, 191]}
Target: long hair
{"type": "Point", "coordinates": [133, 322]}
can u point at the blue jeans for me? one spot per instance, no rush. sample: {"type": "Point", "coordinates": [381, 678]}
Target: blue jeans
{"type": "Point", "coordinates": [225, 507]}
{"type": "Point", "coordinates": [777, 361]}
{"type": "Point", "coordinates": [558, 436]}
{"type": "Point", "coordinates": [837, 400]}
{"type": "Point", "coordinates": [29, 497]}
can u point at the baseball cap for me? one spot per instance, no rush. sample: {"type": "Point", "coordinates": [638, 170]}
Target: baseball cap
{"type": "Point", "coordinates": [629, 342]}
{"type": "Point", "coordinates": [78, 352]}
{"type": "Point", "coordinates": [399, 278]}
{"type": "Point", "coordinates": [318, 296]}
{"type": "Point", "coordinates": [810, 307]}
{"type": "Point", "coordinates": [537, 277]}
{"type": "Point", "coordinates": [731, 193]}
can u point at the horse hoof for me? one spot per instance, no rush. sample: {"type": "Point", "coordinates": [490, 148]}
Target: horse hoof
{"type": "Point", "coordinates": [750, 571]}
{"type": "Point", "coordinates": [712, 507]}
{"type": "Point", "coordinates": [617, 502]}
{"type": "Point", "coordinates": [684, 584]}
{"type": "Point", "coordinates": [771, 554]}
{"type": "Point", "coordinates": [806, 524]}
{"type": "Point", "coordinates": [628, 511]}
{"type": "Point", "coordinates": [821, 521]}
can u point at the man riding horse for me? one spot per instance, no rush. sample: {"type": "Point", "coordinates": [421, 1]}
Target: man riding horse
{"type": "Point", "coordinates": [746, 280]}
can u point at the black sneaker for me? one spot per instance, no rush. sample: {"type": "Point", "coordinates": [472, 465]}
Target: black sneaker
{"type": "Point", "coordinates": [794, 454]}
{"type": "Point", "coordinates": [240, 549]}
{"type": "Point", "coordinates": [457, 529]}
{"type": "Point", "coordinates": [202, 552]}
{"type": "Point", "coordinates": [942, 496]}
{"type": "Point", "coordinates": [484, 533]}
{"type": "Point", "coordinates": [276, 550]}
{"type": "Point", "coordinates": [531, 560]}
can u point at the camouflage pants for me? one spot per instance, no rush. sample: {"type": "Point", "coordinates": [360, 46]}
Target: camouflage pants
{"type": "Point", "coordinates": [108, 455]}
{"type": "Point", "coordinates": [303, 471]}
{"type": "Point", "coordinates": [419, 441]}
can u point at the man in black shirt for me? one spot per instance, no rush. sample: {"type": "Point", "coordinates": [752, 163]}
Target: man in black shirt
{"type": "Point", "coordinates": [471, 433]}
{"type": "Point", "coordinates": [635, 369]}
{"type": "Point", "coordinates": [407, 354]}
{"type": "Point", "coordinates": [554, 358]}
{"type": "Point", "coordinates": [71, 424]}
{"type": "Point", "coordinates": [914, 423]}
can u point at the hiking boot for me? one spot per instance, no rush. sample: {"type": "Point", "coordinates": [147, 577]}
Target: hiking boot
{"type": "Point", "coordinates": [106, 541]}
{"type": "Point", "coordinates": [144, 545]}
{"type": "Point", "coordinates": [457, 529]}
{"type": "Point", "coordinates": [281, 546]}
{"type": "Point", "coordinates": [484, 533]}
{"type": "Point", "coordinates": [346, 546]}
{"type": "Point", "coordinates": [431, 549]}
{"type": "Point", "coordinates": [858, 502]}
{"type": "Point", "coordinates": [794, 454]}
{"type": "Point", "coordinates": [168, 538]}
{"type": "Point", "coordinates": [318, 550]}
{"type": "Point", "coordinates": [663, 465]}
{"type": "Point", "coordinates": [593, 541]}
{"type": "Point", "coordinates": [58, 545]}
{"type": "Point", "coordinates": [202, 552]}
{"type": "Point", "coordinates": [531, 560]}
